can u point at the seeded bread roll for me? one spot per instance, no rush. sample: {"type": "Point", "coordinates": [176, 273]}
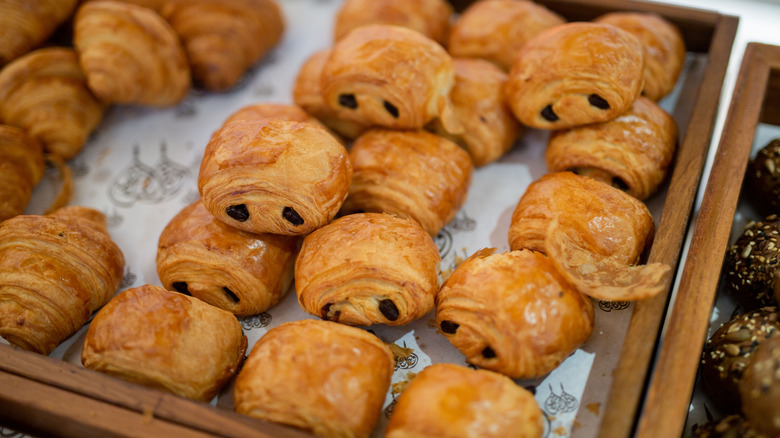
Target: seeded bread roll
{"type": "Point", "coordinates": [759, 388]}
{"type": "Point", "coordinates": [763, 179]}
{"type": "Point", "coordinates": [732, 426]}
{"type": "Point", "coordinates": [368, 268]}
{"type": "Point", "coordinates": [495, 30]}
{"type": "Point", "coordinates": [513, 313]}
{"type": "Point", "coordinates": [551, 84]}
{"type": "Point", "coordinates": [429, 17]}
{"type": "Point", "coordinates": [320, 376]}
{"type": "Point", "coordinates": [728, 352]}
{"type": "Point", "coordinates": [448, 400]}
{"type": "Point", "coordinates": [751, 263]}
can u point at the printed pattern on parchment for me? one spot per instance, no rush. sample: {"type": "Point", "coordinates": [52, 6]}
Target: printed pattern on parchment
{"type": "Point", "coordinates": [609, 306]}
{"type": "Point", "coordinates": [148, 184]}
{"type": "Point", "coordinates": [260, 320]}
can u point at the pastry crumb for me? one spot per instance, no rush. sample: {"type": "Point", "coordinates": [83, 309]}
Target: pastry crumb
{"type": "Point", "coordinates": [594, 407]}
{"type": "Point", "coordinates": [560, 431]}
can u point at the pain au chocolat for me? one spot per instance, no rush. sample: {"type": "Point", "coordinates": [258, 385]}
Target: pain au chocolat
{"type": "Point", "coordinates": [429, 17]}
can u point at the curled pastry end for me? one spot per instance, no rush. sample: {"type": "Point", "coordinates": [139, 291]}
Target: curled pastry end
{"type": "Point", "coordinates": [601, 277]}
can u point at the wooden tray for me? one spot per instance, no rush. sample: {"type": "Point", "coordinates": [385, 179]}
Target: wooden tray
{"type": "Point", "coordinates": [56, 398]}
{"type": "Point", "coordinates": [753, 102]}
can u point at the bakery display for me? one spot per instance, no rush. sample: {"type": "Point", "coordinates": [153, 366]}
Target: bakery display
{"type": "Point", "coordinates": [632, 152]}
{"type": "Point", "coordinates": [495, 30]}
{"type": "Point", "coordinates": [456, 401]}
{"type": "Point", "coordinates": [513, 313]}
{"type": "Point", "coordinates": [130, 54]}
{"type": "Point", "coordinates": [728, 352]}
{"type": "Point", "coordinates": [320, 376]}
{"type": "Point", "coordinates": [274, 176]}
{"type": "Point", "coordinates": [165, 340]}
{"type": "Point", "coordinates": [664, 48]}
{"type": "Point", "coordinates": [750, 264]}
{"type": "Point", "coordinates": [222, 39]}
{"type": "Point", "coordinates": [410, 174]}
{"type": "Point", "coordinates": [24, 25]}
{"type": "Point", "coordinates": [234, 270]}
{"type": "Point", "coordinates": [759, 389]}
{"type": "Point", "coordinates": [55, 270]}
{"type": "Point", "coordinates": [551, 84]}
{"type": "Point", "coordinates": [21, 167]}
{"type": "Point", "coordinates": [405, 88]}
{"type": "Point", "coordinates": [762, 179]}
{"type": "Point", "coordinates": [429, 17]}
{"type": "Point", "coordinates": [368, 268]}
{"type": "Point", "coordinates": [479, 104]}
{"type": "Point", "coordinates": [45, 93]}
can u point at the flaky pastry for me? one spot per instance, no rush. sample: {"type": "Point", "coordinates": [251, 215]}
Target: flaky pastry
{"type": "Point", "coordinates": [21, 168]}
{"type": "Point", "coordinates": [26, 24]}
{"type": "Point", "coordinates": [429, 17]}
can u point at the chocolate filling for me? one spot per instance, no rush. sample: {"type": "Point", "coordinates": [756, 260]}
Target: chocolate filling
{"type": "Point", "coordinates": [488, 353]}
{"type": "Point", "coordinates": [238, 212]}
{"type": "Point", "coordinates": [348, 101]}
{"type": "Point", "coordinates": [181, 287]}
{"type": "Point", "coordinates": [389, 309]}
{"type": "Point", "coordinates": [391, 109]}
{"type": "Point", "coordinates": [292, 216]}
{"type": "Point", "coordinates": [598, 102]}
{"type": "Point", "coordinates": [231, 295]}
{"type": "Point", "coordinates": [549, 114]}
{"type": "Point", "coordinates": [619, 183]}
{"type": "Point", "coordinates": [326, 309]}
{"type": "Point", "coordinates": [449, 327]}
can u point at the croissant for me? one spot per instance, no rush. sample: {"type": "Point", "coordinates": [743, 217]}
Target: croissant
{"type": "Point", "coordinates": [21, 168]}
{"type": "Point", "coordinates": [228, 268]}
{"type": "Point", "coordinates": [320, 376]}
{"type": "Point", "coordinates": [405, 88]}
{"type": "Point", "coordinates": [664, 48]}
{"type": "Point", "coordinates": [55, 270]}
{"type": "Point", "coordinates": [575, 74]}
{"type": "Point", "coordinates": [368, 268]}
{"type": "Point", "coordinates": [495, 30]}
{"type": "Point", "coordinates": [45, 93]}
{"type": "Point", "coordinates": [130, 54]}
{"type": "Point", "coordinates": [448, 400]}
{"type": "Point", "coordinates": [429, 17]}
{"type": "Point", "coordinates": [155, 5]}
{"type": "Point", "coordinates": [224, 38]}
{"type": "Point", "coordinates": [513, 313]}
{"type": "Point", "coordinates": [307, 93]}
{"type": "Point", "coordinates": [632, 152]}
{"type": "Point", "coordinates": [26, 24]}
{"type": "Point", "coordinates": [274, 176]}
{"type": "Point", "coordinates": [593, 233]}
{"type": "Point", "coordinates": [410, 174]}
{"type": "Point", "coordinates": [161, 339]}
{"type": "Point", "coordinates": [480, 105]}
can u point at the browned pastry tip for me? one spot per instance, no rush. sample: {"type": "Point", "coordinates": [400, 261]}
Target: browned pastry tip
{"type": "Point", "coordinates": [456, 401]}
{"type": "Point", "coordinates": [274, 176]}
{"type": "Point", "coordinates": [575, 74]}
{"type": "Point", "coordinates": [223, 39]}
{"type": "Point", "coordinates": [165, 340]}
{"type": "Point", "coordinates": [320, 376]}
{"type": "Point", "coordinates": [130, 54]}
{"type": "Point", "coordinates": [24, 25]}
{"type": "Point", "coordinates": [410, 174]}
{"type": "Point", "coordinates": [237, 271]}
{"type": "Point", "coordinates": [513, 313]}
{"type": "Point", "coordinates": [632, 152]}
{"type": "Point", "coordinates": [429, 17]}
{"type": "Point", "coordinates": [45, 93]}
{"type": "Point", "coordinates": [307, 93]}
{"type": "Point", "coordinates": [368, 268]}
{"type": "Point", "coordinates": [664, 48]}
{"type": "Point", "coordinates": [480, 105]}
{"type": "Point", "coordinates": [404, 88]}
{"type": "Point", "coordinates": [495, 30]}
{"type": "Point", "coordinates": [21, 168]}
{"type": "Point", "coordinates": [55, 270]}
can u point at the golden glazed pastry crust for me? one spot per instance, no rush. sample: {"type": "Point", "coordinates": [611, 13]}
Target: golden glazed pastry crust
{"type": "Point", "coordinates": [45, 93]}
{"type": "Point", "coordinates": [274, 176]}
{"type": "Point", "coordinates": [632, 152]}
{"type": "Point", "coordinates": [165, 340]}
{"type": "Point", "coordinates": [240, 272]}
{"type": "Point", "coordinates": [389, 76]}
{"type": "Point", "coordinates": [429, 17]}
{"type": "Point", "coordinates": [155, 5]}
{"type": "Point", "coordinates": [26, 24]}
{"type": "Point", "coordinates": [55, 270]}
{"type": "Point", "coordinates": [324, 377]}
{"type": "Point", "coordinates": [130, 54]}
{"type": "Point", "coordinates": [664, 49]}
{"type": "Point", "coordinates": [447, 400]}
{"type": "Point", "coordinates": [480, 105]}
{"type": "Point", "coordinates": [368, 268]}
{"type": "Point", "coordinates": [224, 38]}
{"type": "Point", "coordinates": [575, 74]}
{"type": "Point", "coordinates": [513, 313]}
{"type": "Point", "coordinates": [267, 110]}
{"type": "Point", "coordinates": [495, 30]}
{"type": "Point", "coordinates": [410, 174]}
{"type": "Point", "coordinates": [21, 168]}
